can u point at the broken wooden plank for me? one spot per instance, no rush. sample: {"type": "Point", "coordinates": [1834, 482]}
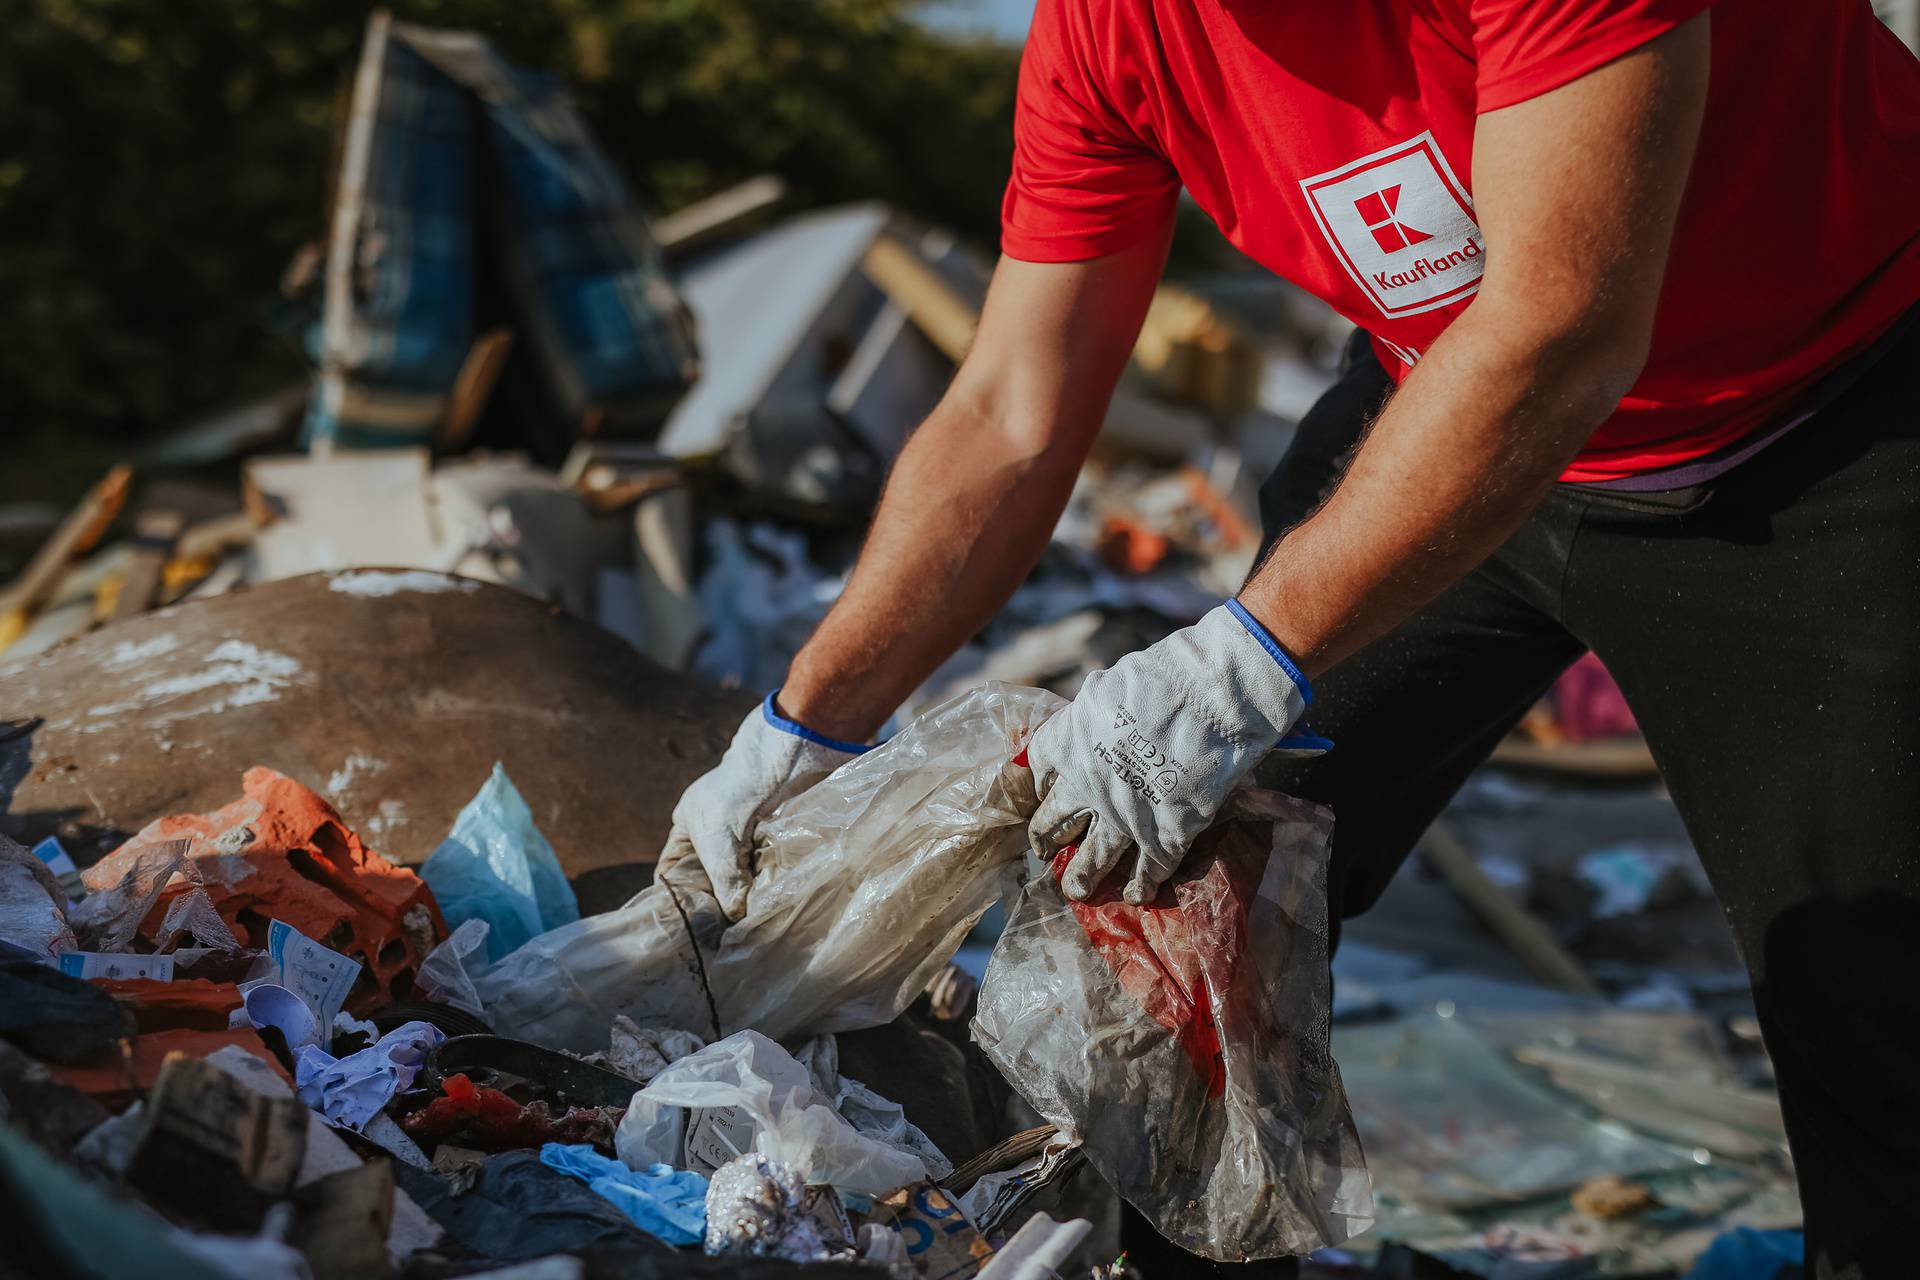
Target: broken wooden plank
{"type": "Point", "coordinates": [1135, 424]}
{"type": "Point", "coordinates": [916, 288]}
{"type": "Point", "coordinates": [77, 534]}
{"type": "Point", "coordinates": [154, 536]}
{"type": "Point", "coordinates": [711, 219]}
{"type": "Point", "coordinates": [1512, 923]}
{"type": "Point", "coordinates": [472, 388]}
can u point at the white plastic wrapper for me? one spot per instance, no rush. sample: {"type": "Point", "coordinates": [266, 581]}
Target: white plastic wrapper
{"type": "Point", "coordinates": [867, 884]}
{"type": "Point", "coordinates": [746, 1094]}
{"type": "Point", "coordinates": [1185, 1041]}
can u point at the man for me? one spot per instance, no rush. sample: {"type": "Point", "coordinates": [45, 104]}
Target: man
{"type": "Point", "coordinates": [1640, 272]}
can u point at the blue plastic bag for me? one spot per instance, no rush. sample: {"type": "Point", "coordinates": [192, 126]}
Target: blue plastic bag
{"type": "Point", "coordinates": [1745, 1253]}
{"type": "Point", "coordinates": [661, 1200]}
{"type": "Point", "coordinates": [496, 866]}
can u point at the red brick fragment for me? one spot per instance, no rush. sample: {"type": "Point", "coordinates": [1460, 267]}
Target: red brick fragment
{"type": "Point", "coordinates": [283, 853]}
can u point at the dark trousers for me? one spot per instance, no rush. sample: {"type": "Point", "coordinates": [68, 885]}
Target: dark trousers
{"type": "Point", "coordinates": [1767, 636]}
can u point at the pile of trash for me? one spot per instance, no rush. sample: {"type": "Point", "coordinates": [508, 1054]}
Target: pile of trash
{"type": "Point", "coordinates": [245, 1037]}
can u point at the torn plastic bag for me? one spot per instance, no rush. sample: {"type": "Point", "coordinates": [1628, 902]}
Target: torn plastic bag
{"type": "Point", "coordinates": [446, 975]}
{"type": "Point", "coordinates": [867, 884]}
{"type": "Point", "coordinates": [122, 888]}
{"type": "Point", "coordinates": [194, 914]}
{"type": "Point", "coordinates": [881, 1119]}
{"type": "Point", "coordinates": [1185, 1042]}
{"type": "Point", "coordinates": [746, 1093]}
{"type": "Point", "coordinates": [33, 907]}
{"type": "Point", "coordinates": [496, 866]}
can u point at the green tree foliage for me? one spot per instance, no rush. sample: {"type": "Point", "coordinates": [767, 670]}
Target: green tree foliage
{"type": "Point", "coordinates": [161, 160]}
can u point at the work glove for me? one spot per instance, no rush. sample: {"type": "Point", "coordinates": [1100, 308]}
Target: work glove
{"type": "Point", "coordinates": [1138, 764]}
{"type": "Point", "coordinates": [771, 759]}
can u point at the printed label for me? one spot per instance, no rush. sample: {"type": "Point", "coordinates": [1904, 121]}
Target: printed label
{"type": "Point", "coordinates": [60, 862]}
{"type": "Point", "coordinates": [716, 1135]}
{"type": "Point", "coordinates": [317, 975]}
{"type": "Point", "coordinates": [115, 966]}
{"type": "Point", "coordinates": [1402, 226]}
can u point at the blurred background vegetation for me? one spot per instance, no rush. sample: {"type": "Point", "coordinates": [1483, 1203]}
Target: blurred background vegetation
{"type": "Point", "coordinates": [161, 162]}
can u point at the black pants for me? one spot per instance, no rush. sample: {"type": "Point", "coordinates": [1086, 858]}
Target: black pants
{"type": "Point", "coordinates": [1768, 641]}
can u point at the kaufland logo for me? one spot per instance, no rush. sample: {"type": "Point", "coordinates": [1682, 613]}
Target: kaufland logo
{"type": "Point", "coordinates": [1402, 226]}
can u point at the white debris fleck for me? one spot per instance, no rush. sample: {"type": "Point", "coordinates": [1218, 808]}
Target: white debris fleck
{"type": "Point", "coordinates": [392, 814]}
{"type": "Point", "coordinates": [131, 653]}
{"type": "Point", "coordinates": [245, 673]}
{"type": "Point", "coordinates": [358, 764]}
{"type": "Point", "coordinates": [382, 582]}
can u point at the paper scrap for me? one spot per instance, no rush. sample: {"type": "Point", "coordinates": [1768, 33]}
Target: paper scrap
{"type": "Point", "coordinates": [60, 862]}
{"type": "Point", "coordinates": [319, 976]}
{"type": "Point", "coordinates": [116, 965]}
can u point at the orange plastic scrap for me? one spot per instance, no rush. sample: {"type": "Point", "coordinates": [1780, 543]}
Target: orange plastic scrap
{"type": "Point", "coordinates": [116, 1083]}
{"type": "Point", "coordinates": [185, 1004]}
{"type": "Point", "coordinates": [1131, 546]}
{"type": "Point", "coordinates": [283, 853]}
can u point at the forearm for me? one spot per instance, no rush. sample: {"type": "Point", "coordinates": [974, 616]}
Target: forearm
{"type": "Point", "coordinates": [966, 514]}
{"type": "Point", "coordinates": [1469, 446]}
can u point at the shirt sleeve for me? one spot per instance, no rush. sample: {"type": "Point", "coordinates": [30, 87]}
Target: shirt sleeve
{"type": "Point", "coordinates": [1529, 47]}
{"type": "Point", "coordinates": [1084, 182]}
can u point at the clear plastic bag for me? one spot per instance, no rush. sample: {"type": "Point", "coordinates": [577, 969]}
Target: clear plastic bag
{"type": "Point", "coordinates": [746, 1093]}
{"type": "Point", "coordinates": [1185, 1042]}
{"type": "Point", "coordinates": [867, 884]}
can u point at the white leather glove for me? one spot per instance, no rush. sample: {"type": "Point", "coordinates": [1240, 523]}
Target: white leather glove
{"type": "Point", "coordinates": [771, 759]}
{"type": "Point", "coordinates": [1143, 758]}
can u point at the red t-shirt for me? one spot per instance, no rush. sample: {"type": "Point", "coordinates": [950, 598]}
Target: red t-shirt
{"type": "Point", "coordinates": [1332, 141]}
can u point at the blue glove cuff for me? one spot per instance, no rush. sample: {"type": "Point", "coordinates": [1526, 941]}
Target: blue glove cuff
{"type": "Point", "coordinates": [1267, 642]}
{"type": "Point", "coordinates": [798, 730]}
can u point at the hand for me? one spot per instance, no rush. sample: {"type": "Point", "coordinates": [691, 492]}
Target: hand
{"type": "Point", "coordinates": [1141, 761]}
{"type": "Point", "coordinates": [771, 759]}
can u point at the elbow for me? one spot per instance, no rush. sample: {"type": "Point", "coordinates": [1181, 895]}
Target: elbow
{"type": "Point", "coordinates": [1597, 373]}
{"type": "Point", "coordinates": [1585, 366]}
{"type": "Point", "coordinates": [1585, 351]}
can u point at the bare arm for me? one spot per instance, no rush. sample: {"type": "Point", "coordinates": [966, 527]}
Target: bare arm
{"type": "Point", "coordinates": [1577, 192]}
{"type": "Point", "coordinates": [978, 489]}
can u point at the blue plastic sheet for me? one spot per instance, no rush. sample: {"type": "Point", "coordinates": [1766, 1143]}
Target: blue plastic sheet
{"type": "Point", "coordinates": [1745, 1253]}
{"type": "Point", "coordinates": [661, 1200]}
{"type": "Point", "coordinates": [497, 867]}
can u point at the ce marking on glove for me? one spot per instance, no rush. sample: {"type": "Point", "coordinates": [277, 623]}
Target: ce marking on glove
{"type": "Point", "coordinates": [1140, 762]}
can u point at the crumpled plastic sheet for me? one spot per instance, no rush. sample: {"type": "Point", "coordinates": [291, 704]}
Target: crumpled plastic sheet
{"type": "Point", "coordinates": [1185, 1041]}
{"type": "Point", "coordinates": [641, 1053]}
{"type": "Point", "coordinates": [1455, 1126]}
{"type": "Point", "coordinates": [33, 908]}
{"type": "Point", "coordinates": [354, 1089]}
{"type": "Point", "coordinates": [122, 890]}
{"type": "Point", "coordinates": [756, 1207]}
{"type": "Point", "coordinates": [772, 1096]}
{"type": "Point", "coordinates": [446, 974]}
{"type": "Point", "coordinates": [935, 822]}
{"type": "Point", "coordinates": [882, 1119]}
{"type": "Point", "coordinates": [194, 914]}
{"type": "Point", "coordinates": [496, 866]}
{"type": "Point", "coordinates": [663, 1201]}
